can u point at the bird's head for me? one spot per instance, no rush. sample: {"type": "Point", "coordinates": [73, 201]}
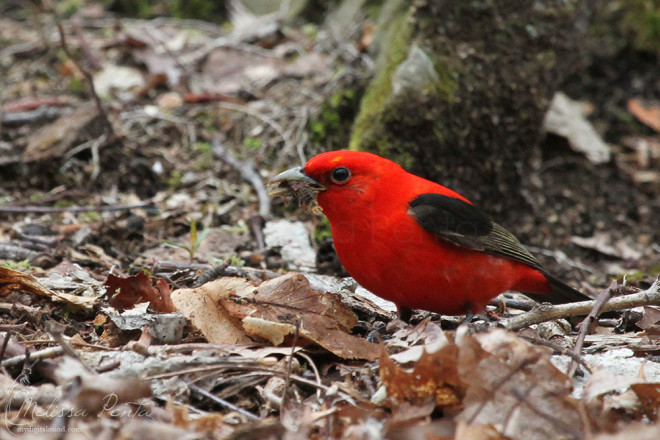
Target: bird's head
{"type": "Point", "coordinates": [340, 178]}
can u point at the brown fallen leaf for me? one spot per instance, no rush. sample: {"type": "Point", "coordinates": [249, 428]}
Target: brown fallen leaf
{"type": "Point", "coordinates": [649, 398]}
{"type": "Point", "coordinates": [633, 431]}
{"type": "Point", "coordinates": [434, 378]}
{"type": "Point", "coordinates": [124, 293]}
{"type": "Point", "coordinates": [201, 306]}
{"type": "Point", "coordinates": [650, 321]}
{"type": "Point", "coordinates": [647, 114]}
{"type": "Point", "coordinates": [512, 385]}
{"type": "Point", "coordinates": [97, 393]}
{"type": "Point", "coordinates": [53, 140]}
{"type": "Point", "coordinates": [15, 281]}
{"type": "Point", "coordinates": [277, 305]}
{"type": "Point", "coordinates": [477, 432]}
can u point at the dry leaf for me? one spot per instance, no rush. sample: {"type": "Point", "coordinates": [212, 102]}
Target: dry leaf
{"type": "Point", "coordinates": [289, 299]}
{"type": "Point", "coordinates": [633, 431]}
{"type": "Point", "coordinates": [647, 114]}
{"type": "Point", "coordinates": [650, 321]}
{"type": "Point", "coordinates": [649, 398]}
{"type": "Point", "coordinates": [200, 305]}
{"type": "Point", "coordinates": [565, 118]}
{"type": "Point", "coordinates": [15, 281]}
{"type": "Point", "coordinates": [124, 293]}
{"type": "Point", "coordinates": [99, 392]}
{"type": "Point", "coordinates": [477, 432]}
{"type": "Point", "coordinates": [53, 140]}
{"type": "Point", "coordinates": [512, 384]}
{"type": "Point", "coordinates": [434, 377]}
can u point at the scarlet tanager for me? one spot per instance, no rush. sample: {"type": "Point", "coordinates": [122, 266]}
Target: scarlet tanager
{"type": "Point", "coordinates": [415, 242]}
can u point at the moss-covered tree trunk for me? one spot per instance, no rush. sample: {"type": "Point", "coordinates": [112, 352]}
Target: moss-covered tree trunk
{"type": "Point", "coordinates": [461, 88]}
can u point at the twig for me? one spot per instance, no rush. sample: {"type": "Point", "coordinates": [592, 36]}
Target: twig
{"type": "Point", "coordinates": [16, 253]}
{"type": "Point", "coordinates": [522, 397]}
{"type": "Point", "coordinates": [18, 328]}
{"type": "Point", "coordinates": [222, 402]}
{"type": "Point", "coordinates": [496, 385]}
{"type": "Point", "coordinates": [29, 117]}
{"type": "Point", "coordinates": [249, 174]}
{"type": "Point", "coordinates": [543, 313]}
{"type": "Point", "coordinates": [277, 127]}
{"type": "Point", "coordinates": [256, 223]}
{"type": "Point", "coordinates": [317, 375]}
{"type": "Point", "coordinates": [47, 209]}
{"type": "Point", "coordinates": [25, 105]}
{"type": "Point", "coordinates": [287, 375]}
{"type": "Point", "coordinates": [585, 325]}
{"type": "Point", "coordinates": [90, 81]}
{"type": "Point", "coordinates": [575, 357]}
{"type": "Point", "coordinates": [92, 59]}
{"type": "Point", "coordinates": [5, 341]}
{"type": "Point", "coordinates": [56, 333]}
{"type": "Point", "coordinates": [46, 353]}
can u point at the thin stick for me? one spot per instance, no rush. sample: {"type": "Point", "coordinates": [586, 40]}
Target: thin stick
{"type": "Point", "coordinates": [543, 313]}
{"type": "Point", "coordinates": [287, 375]}
{"type": "Point", "coordinates": [585, 325]}
{"type": "Point", "coordinates": [90, 81]}
{"type": "Point", "coordinates": [5, 341]}
{"type": "Point", "coordinates": [48, 209]}
{"type": "Point", "coordinates": [222, 402]}
{"type": "Point", "coordinates": [248, 173]}
{"type": "Point", "coordinates": [46, 353]}
{"type": "Point", "coordinates": [277, 127]}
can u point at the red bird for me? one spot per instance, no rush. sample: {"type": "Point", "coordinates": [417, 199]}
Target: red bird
{"type": "Point", "coordinates": [415, 242]}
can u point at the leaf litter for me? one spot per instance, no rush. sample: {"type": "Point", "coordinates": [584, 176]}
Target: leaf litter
{"type": "Point", "coordinates": [254, 350]}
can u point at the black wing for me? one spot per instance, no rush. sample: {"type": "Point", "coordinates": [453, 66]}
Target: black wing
{"type": "Point", "coordinates": [465, 225]}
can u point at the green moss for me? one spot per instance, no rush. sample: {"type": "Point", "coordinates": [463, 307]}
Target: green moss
{"type": "Point", "coordinates": [641, 20]}
{"type": "Point", "coordinates": [77, 85]}
{"type": "Point", "coordinates": [322, 230]}
{"type": "Point", "coordinates": [90, 217]}
{"type": "Point", "coordinates": [331, 126]}
{"type": "Point", "coordinates": [252, 143]}
{"type": "Point", "coordinates": [63, 203]}
{"type": "Point", "coordinates": [174, 181]}
{"type": "Point", "coordinates": [204, 148]}
{"type": "Point", "coordinates": [200, 9]}
{"type": "Point", "coordinates": [392, 55]}
{"type": "Point", "coordinates": [67, 8]}
{"type": "Point", "coordinates": [21, 266]}
{"type": "Point", "coordinates": [136, 8]}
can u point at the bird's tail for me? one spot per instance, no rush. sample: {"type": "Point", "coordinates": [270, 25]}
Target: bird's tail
{"type": "Point", "coordinates": [561, 293]}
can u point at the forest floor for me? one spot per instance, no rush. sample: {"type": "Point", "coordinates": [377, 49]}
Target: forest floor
{"type": "Point", "coordinates": [150, 287]}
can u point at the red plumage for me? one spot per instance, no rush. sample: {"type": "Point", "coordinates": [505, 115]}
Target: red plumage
{"type": "Point", "coordinates": [439, 254]}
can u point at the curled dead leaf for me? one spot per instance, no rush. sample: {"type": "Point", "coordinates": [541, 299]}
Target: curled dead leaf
{"type": "Point", "coordinates": [126, 292]}
{"type": "Point", "coordinates": [434, 377]}
{"type": "Point", "coordinates": [287, 300]}
{"type": "Point", "coordinates": [201, 306]}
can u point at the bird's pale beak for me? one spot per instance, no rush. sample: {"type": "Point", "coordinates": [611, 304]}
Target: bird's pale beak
{"type": "Point", "coordinates": [288, 180]}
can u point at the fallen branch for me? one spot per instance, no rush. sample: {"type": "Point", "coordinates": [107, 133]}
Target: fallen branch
{"type": "Point", "coordinates": [222, 402]}
{"type": "Point", "coordinates": [16, 253]}
{"type": "Point", "coordinates": [46, 353]}
{"type": "Point", "coordinates": [545, 312]}
{"type": "Point", "coordinates": [49, 209]}
{"type": "Point", "coordinates": [585, 326]}
{"type": "Point", "coordinates": [90, 82]}
{"type": "Point", "coordinates": [248, 173]}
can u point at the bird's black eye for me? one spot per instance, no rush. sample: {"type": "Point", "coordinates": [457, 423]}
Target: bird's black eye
{"type": "Point", "coordinates": [340, 175]}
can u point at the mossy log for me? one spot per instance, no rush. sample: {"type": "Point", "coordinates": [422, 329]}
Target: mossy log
{"type": "Point", "coordinates": [461, 88]}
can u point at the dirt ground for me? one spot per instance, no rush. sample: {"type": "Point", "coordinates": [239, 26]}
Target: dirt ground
{"type": "Point", "coordinates": [140, 258]}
